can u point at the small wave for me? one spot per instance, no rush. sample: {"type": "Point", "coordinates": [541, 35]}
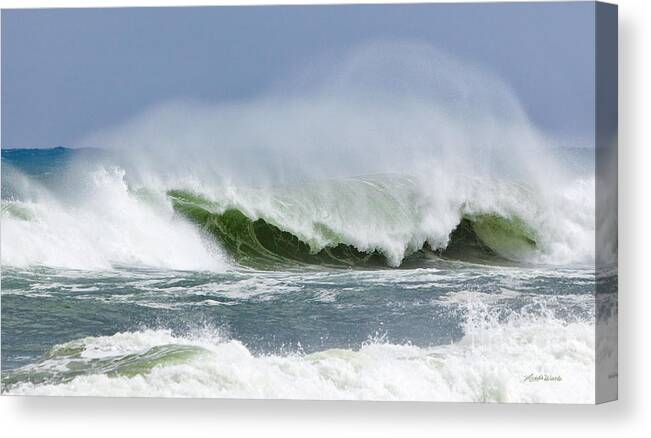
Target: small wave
{"type": "Point", "coordinates": [490, 363]}
{"type": "Point", "coordinates": [17, 210]}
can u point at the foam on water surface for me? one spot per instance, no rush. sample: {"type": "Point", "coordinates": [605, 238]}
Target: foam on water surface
{"type": "Point", "coordinates": [495, 361]}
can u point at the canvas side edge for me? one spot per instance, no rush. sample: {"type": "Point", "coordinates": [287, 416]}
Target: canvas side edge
{"type": "Point", "coordinates": [606, 123]}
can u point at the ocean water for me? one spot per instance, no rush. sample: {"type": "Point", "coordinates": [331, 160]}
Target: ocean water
{"type": "Point", "coordinates": [341, 288]}
{"type": "Point", "coordinates": [387, 226]}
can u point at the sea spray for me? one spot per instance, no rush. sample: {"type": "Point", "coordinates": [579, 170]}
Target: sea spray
{"type": "Point", "coordinates": [490, 363]}
{"type": "Point", "coordinates": [383, 107]}
{"type": "Point", "coordinates": [108, 225]}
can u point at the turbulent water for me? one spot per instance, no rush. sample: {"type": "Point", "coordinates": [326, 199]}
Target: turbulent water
{"type": "Point", "coordinates": [128, 292]}
{"type": "Point", "coordinates": [405, 239]}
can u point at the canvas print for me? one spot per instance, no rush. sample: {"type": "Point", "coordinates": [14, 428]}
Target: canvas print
{"type": "Point", "coordinates": [352, 202]}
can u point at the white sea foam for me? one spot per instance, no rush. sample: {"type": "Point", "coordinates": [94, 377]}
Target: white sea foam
{"type": "Point", "coordinates": [525, 357]}
{"type": "Point", "coordinates": [106, 224]}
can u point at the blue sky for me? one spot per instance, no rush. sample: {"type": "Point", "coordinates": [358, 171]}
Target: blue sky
{"type": "Point", "coordinates": [67, 73]}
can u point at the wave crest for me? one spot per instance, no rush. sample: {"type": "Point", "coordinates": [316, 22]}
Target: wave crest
{"type": "Point", "coordinates": [377, 221]}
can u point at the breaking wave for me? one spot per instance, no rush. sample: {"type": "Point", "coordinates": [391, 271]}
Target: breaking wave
{"type": "Point", "coordinates": [106, 226]}
{"type": "Point", "coordinates": [377, 221]}
{"type": "Point", "coordinates": [456, 170]}
{"type": "Point", "coordinates": [373, 221]}
{"type": "Point", "coordinates": [525, 356]}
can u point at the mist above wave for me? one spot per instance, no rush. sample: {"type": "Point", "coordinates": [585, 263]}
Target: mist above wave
{"type": "Point", "coordinates": [381, 107]}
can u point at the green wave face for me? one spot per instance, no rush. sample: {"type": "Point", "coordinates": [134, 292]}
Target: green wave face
{"type": "Point", "coordinates": [256, 243]}
{"type": "Point", "coordinates": [16, 211]}
{"type": "Point", "coordinates": [510, 238]}
{"type": "Point", "coordinates": [481, 238]}
{"type": "Point", "coordinates": [488, 238]}
{"type": "Point", "coordinates": [65, 362]}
